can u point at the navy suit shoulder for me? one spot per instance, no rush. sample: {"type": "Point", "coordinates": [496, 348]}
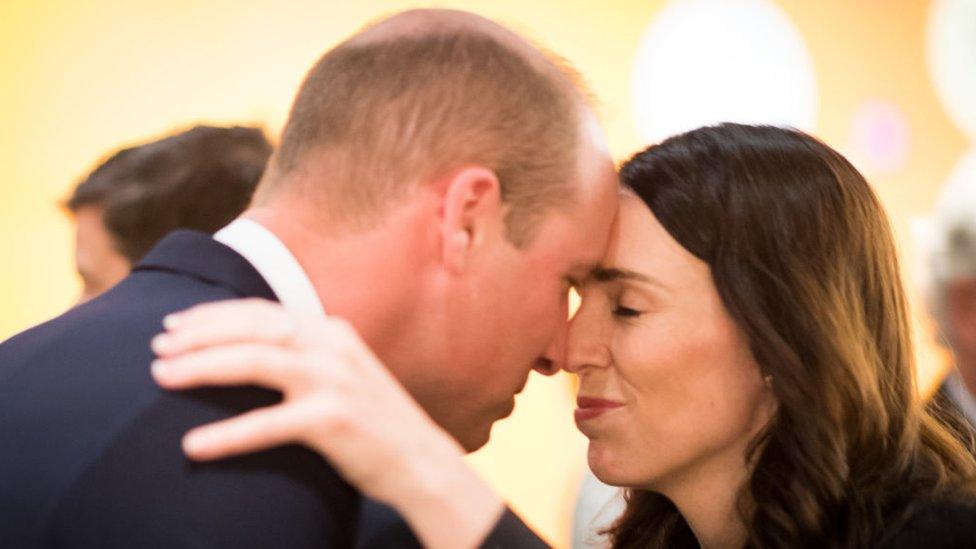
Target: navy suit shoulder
{"type": "Point", "coordinates": [91, 453]}
{"type": "Point", "coordinates": [382, 527]}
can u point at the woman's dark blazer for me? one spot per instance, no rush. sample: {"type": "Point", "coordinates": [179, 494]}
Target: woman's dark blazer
{"type": "Point", "coordinates": [945, 524]}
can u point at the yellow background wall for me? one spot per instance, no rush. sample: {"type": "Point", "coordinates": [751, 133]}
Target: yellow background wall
{"type": "Point", "coordinates": [79, 79]}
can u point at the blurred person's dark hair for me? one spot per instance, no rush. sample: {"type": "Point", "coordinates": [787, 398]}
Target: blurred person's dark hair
{"type": "Point", "coordinates": [200, 179]}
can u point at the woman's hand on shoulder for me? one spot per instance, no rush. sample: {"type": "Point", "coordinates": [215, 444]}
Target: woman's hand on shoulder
{"type": "Point", "coordinates": [337, 399]}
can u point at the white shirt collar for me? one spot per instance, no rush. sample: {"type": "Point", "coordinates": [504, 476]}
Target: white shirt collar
{"type": "Point", "coordinates": [275, 263]}
{"type": "Point", "coordinates": [961, 396]}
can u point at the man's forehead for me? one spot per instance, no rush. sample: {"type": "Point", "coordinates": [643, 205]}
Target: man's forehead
{"type": "Point", "coordinates": [605, 217]}
{"type": "Point", "coordinates": [599, 196]}
{"type": "Point", "coordinates": [598, 179]}
{"type": "Point", "coordinates": [587, 232]}
{"type": "Point", "coordinates": [592, 132]}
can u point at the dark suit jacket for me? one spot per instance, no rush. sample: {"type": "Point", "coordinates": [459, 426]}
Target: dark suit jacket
{"type": "Point", "coordinates": [381, 527]}
{"type": "Point", "coordinates": [90, 447]}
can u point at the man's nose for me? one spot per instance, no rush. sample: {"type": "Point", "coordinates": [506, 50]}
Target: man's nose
{"type": "Point", "coordinates": [555, 356]}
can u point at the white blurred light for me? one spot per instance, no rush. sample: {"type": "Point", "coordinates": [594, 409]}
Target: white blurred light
{"type": "Point", "coordinates": [707, 61]}
{"type": "Point", "coordinates": [952, 59]}
{"type": "Point", "coordinates": [958, 194]}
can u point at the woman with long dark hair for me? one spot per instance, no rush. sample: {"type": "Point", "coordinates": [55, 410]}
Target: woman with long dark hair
{"type": "Point", "coordinates": [778, 370]}
{"type": "Point", "coordinates": [745, 363]}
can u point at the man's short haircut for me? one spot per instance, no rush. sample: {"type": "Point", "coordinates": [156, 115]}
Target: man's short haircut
{"type": "Point", "coordinates": [383, 116]}
{"type": "Point", "coordinates": [199, 179]}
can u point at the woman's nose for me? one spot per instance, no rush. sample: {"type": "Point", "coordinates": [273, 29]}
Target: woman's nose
{"type": "Point", "coordinates": [586, 343]}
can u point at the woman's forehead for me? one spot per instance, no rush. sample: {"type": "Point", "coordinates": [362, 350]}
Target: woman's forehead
{"type": "Point", "coordinates": [641, 244]}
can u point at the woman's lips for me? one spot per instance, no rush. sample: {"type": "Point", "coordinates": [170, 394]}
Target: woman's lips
{"type": "Point", "coordinates": [589, 407]}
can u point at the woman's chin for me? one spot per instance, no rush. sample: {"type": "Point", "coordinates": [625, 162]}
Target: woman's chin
{"type": "Point", "coordinates": [604, 466]}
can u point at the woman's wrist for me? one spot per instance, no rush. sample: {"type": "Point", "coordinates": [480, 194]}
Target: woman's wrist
{"type": "Point", "coordinates": [438, 488]}
{"type": "Point", "coordinates": [452, 494]}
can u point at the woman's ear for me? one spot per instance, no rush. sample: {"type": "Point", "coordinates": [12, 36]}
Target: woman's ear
{"type": "Point", "coordinates": [471, 209]}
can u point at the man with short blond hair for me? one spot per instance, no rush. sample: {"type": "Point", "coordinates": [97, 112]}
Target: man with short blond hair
{"type": "Point", "coordinates": [436, 120]}
{"type": "Point", "coordinates": [438, 185]}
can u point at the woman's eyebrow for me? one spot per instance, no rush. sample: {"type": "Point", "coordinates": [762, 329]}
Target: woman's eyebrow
{"type": "Point", "coordinates": [611, 274]}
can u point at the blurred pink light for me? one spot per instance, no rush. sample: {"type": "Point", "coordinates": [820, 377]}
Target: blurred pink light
{"type": "Point", "coordinates": [880, 135]}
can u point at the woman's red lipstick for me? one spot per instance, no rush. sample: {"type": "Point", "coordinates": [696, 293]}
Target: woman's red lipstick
{"type": "Point", "coordinates": [589, 408]}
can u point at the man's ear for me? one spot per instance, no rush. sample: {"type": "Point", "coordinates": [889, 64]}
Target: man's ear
{"type": "Point", "coordinates": [471, 208]}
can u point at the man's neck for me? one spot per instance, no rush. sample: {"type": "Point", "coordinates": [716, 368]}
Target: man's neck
{"type": "Point", "coordinates": [360, 276]}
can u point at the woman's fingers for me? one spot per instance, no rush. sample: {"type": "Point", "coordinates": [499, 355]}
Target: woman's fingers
{"type": "Point", "coordinates": [224, 322]}
{"type": "Point", "coordinates": [253, 431]}
{"type": "Point", "coordinates": [266, 365]}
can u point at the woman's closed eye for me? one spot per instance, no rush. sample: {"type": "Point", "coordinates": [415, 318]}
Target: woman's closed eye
{"type": "Point", "coordinates": [626, 312]}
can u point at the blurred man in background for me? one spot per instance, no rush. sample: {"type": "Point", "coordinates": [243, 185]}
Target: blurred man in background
{"type": "Point", "coordinates": [952, 296]}
{"type": "Point", "coordinates": [199, 179]}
